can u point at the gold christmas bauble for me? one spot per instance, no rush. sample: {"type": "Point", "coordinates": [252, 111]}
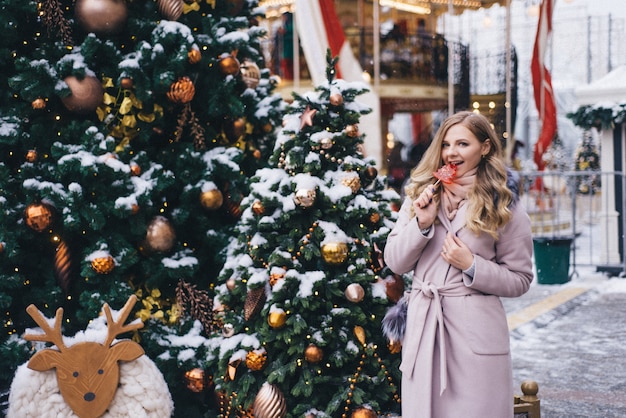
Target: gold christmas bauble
{"type": "Point", "coordinates": [258, 208]}
{"type": "Point", "coordinates": [335, 253]}
{"type": "Point", "coordinates": [195, 380]}
{"type": "Point", "coordinates": [269, 402]}
{"type": "Point", "coordinates": [38, 216]}
{"type": "Point", "coordinates": [250, 74]}
{"type": "Point", "coordinates": [229, 65]}
{"type": "Point", "coordinates": [352, 181]}
{"type": "Point", "coordinates": [160, 235]}
{"type": "Point", "coordinates": [102, 17]}
{"type": "Point", "coordinates": [86, 94]}
{"type": "Point", "coordinates": [277, 318]}
{"type": "Point", "coordinates": [255, 360]}
{"type": "Point", "coordinates": [336, 99]}
{"type": "Point", "coordinates": [135, 169]}
{"type": "Point", "coordinates": [277, 274]}
{"type": "Point", "coordinates": [394, 347]}
{"type": "Point", "coordinates": [374, 218]}
{"type": "Point", "coordinates": [364, 412]}
{"type": "Point", "coordinates": [305, 197]}
{"type": "Point", "coordinates": [38, 104]}
{"type": "Point", "coordinates": [354, 292]}
{"type": "Point", "coordinates": [181, 91]}
{"type": "Point", "coordinates": [194, 56]}
{"type": "Point", "coordinates": [313, 354]}
{"type": "Point", "coordinates": [170, 9]}
{"type": "Point", "coordinates": [212, 199]}
{"type": "Point", "coordinates": [103, 265]}
{"type": "Point", "coordinates": [326, 142]}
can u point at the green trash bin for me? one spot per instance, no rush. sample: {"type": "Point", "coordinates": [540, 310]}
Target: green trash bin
{"type": "Point", "coordinates": [552, 256]}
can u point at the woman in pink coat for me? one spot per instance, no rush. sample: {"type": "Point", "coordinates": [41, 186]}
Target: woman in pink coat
{"type": "Point", "coordinates": [468, 242]}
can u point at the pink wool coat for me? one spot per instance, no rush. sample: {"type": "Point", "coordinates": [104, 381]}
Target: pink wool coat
{"type": "Point", "coordinates": [455, 353]}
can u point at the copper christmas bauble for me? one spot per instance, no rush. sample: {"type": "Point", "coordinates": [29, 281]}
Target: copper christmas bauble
{"type": "Point", "coordinates": [336, 99]}
{"type": "Point", "coordinates": [38, 104]}
{"type": "Point", "coordinates": [160, 236]}
{"type": "Point", "coordinates": [86, 94]}
{"type": "Point", "coordinates": [335, 253]}
{"type": "Point", "coordinates": [212, 199]}
{"type": "Point", "coordinates": [352, 131]}
{"type": "Point", "coordinates": [181, 91]}
{"type": "Point", "coordinates": [394, 347]}
{"type": "Point", "coordinates": [126, 83]}
{"type": "Point", "coordinates": [270, 402]}
{"type": "Point", "coordinates": [170, 9]}
{"type": "Point", "coordinates": [371, 172]}
{"type": "Point", "coordinates": [276, 275]}
{"type": "Point", "coordinates": [195, 380]}
{"type": "Point", "coordinates": [363, 412]}
{"type": "Point", "coordinates": [103, 265]}
{"type": "Point", "coordinates": [305, 197]}
{"type": "Point", "coordinates": [352, 181]}
{"type": "Point", "coordinates": [38, 216]}
{"type": "Point", "coordinates": [255, 360]}
{"type": "Point", "coordinates": [374, 218]}
{"type": "Point", "coordinates": [101, 17]}
{"type": "Point", "coordinates": [31, 156]}
{"type": "Point", "coordinates": [354, 292]}
{"type": "Point", "coordinates": [135, 169]}
{"type": "Point", "coordinates": [250, 74]}
{"type": "Point", "coordinates": [229, 65]}
{"type": "Point", "coordinates": [313, 354]}
{"type": "Point", "coordinates": [277, 318]}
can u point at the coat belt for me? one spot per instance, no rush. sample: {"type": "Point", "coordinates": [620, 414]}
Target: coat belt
{"type": "Point", "coordinates": [426, 298]}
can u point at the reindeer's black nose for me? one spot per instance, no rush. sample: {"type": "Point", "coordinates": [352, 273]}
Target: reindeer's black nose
{"type": "Point", "coordinates": [89, 396]}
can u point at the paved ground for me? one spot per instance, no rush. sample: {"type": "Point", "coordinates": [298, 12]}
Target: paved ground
{"type": "Point", "coordinates": [571, 339]}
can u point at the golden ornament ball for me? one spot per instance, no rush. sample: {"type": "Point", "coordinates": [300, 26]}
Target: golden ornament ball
{"type": "Point", "coordinates": [326, 142]}
{"type": "Point", "coordinates": [38, 216]}
{"type": "Point", "coordinates": [38, 104]}
{"type": "Point", "coordinates": [160, 235]}
{"type": "Point", "coordinates": [212, 199]}
{"type": "Point", "coordinates": [258, 208]}
{"type": "Point", "coordinates": [354, 292]}
{"type": "Point", "coordinates": [229, 65]}
{"type": "Point", "coordinates": [394, 347]}
{"type": "Point", "coordinates": [250, 74]}
{"type": "Point", "coordinates": [31, 156]}
{"type": "Point", "coordinates": [374, 218]}
{"type": "Point", "coordinates": [127, 83]}
{"type": "Point", "coordinates": [352, 131]}
{"type": "Point", "coordinates": [195, 380]}
{"type": "Point", "coordinates": [277, 318]}
{"type": "Point", "coordinates": [102, 17]}
{"type": "Point", "coordinates": [305, 197]}
{"type": "Point", "coordinates": [313, 354]}
{"type": "Point", "coordinates": [364, 412]}
{"type": "Point", "coordinates": [352, 181]}
{"type": "Point", "coordinates": [335, 253]}
{"type": "Point", "coordinates": [181, 91]}
{"type": "Point", "coordinates": [170, 9]}
{"type": "Point", "coordinates": [277, 275]}
{"type": "Point", "coordinates": [103, 265]}
{"type": "Point", "coordinates": [336, 99]}
{"type": "Point", "coordinates": [269, 402]}
{"type": "Point", "coordinates": [86, 94]}
{"type": "Point", "coordinates": [194, 56]}
{"type": "Point", "coordinates": [255, 360]}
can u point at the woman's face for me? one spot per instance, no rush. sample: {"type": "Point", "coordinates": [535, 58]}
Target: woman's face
{"type": "Point", "coordinates": [461, 148]}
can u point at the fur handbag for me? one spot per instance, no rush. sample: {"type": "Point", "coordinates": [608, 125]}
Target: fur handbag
{"type": "Point", "coordinates": [394, 322]}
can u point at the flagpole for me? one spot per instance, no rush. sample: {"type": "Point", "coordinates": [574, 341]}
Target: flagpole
{"type": "Point", "coordinates": [507, 104]}
{"type": "Point", "coordinates": [450, 67]}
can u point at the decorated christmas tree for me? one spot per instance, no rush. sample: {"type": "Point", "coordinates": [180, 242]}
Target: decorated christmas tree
{"type": "Point", "coordinates": [128, 133]}
{"type": "Point", "coordinates": [587, 159]}
{"type": "Point", "coordinates": [303, 290]}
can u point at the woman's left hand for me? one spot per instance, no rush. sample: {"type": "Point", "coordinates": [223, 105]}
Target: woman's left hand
{"type": "Point", "coordinates": [455, 252]}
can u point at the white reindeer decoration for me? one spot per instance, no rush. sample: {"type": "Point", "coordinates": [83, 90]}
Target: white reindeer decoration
{"type": "Point", "coordinates": [88, 375]}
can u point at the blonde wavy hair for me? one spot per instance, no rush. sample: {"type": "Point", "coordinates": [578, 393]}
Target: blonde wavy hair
{"type": "Point", "coordinates": [489, 201]}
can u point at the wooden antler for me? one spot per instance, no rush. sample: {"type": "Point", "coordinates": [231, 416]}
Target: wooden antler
{"type": "Point", "coordinates": [52, 335]}
{"type": "Point", "coordinates": [117, 327]}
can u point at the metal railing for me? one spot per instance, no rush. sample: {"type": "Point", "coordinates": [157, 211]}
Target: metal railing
{"type": "Point", "coordinates": [587, 206]}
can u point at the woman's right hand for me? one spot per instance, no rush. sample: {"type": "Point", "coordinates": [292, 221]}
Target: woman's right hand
{"type": "Point", "coordinates": [425, 208]}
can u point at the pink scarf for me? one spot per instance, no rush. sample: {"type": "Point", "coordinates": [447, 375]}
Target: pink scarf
{"type": "Point", "coordinates": [455, 194]}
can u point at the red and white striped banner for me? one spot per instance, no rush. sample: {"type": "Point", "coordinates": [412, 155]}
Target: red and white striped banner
{"type": "Point", "coordinates": [542, 83]}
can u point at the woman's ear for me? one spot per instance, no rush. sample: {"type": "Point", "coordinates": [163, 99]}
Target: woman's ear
{"type": "Point", "coordinates": [486, 147]}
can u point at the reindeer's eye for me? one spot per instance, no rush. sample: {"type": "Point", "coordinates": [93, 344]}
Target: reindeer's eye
{"type": "Point", "coordinates": [75, 374]}
{"type": "Point", "coordinates": [100, 371]}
